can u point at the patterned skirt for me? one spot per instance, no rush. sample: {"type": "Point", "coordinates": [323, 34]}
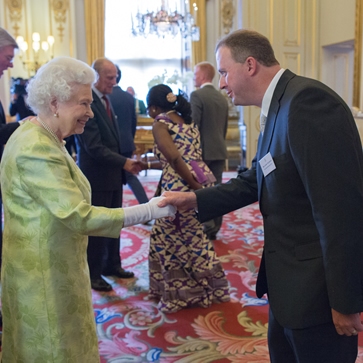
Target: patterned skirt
{"type": "Point", "coordinates": [184, 270]}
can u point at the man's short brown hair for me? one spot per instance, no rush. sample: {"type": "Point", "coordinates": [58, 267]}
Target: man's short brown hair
{"type": "Point", "coordinates": [245, 43]}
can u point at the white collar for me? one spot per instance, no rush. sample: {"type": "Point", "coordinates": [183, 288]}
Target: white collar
{"type": "Point", "coordinates": [98, 93]}
{"type": "Point", "coordinates": [207, 84]}
{"type": "Point", "coordinates": [266, 101]}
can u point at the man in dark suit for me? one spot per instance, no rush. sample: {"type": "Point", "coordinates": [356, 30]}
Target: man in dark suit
{"type": "Point", "coordinates": [210, 113]}
{"type": "Point", "coordinates": [7, 46]}
{"type": "Point", "coordinates": [100, 159]}
{"type": "Point", "coordinates": [124, 107]}
{"type": "Point", "coordinates": [308, 178]}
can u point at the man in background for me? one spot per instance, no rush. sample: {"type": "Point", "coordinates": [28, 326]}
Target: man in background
{"type": "Point", "coordinates": [7, 47]}
{"type": "Point", "coordinates": [100, 159]}
{"type": "Point", "coordinates": [124, 107]}
{"type": "Point", "coordinates": [139, 104]}
{"type": "Point", "coordinates": [311, 199]}
{"type": "Point", "coordinates": [210, 113]}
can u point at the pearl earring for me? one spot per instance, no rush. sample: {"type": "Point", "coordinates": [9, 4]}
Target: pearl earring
{"type": "Point", "coordinates": [56, 115]}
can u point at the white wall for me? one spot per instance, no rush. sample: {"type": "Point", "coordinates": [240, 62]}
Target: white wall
{"type": "Point", "coordinates": [336, 21]}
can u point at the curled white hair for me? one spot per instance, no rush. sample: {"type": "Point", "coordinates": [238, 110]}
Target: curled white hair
{"type": "Point", "coordinates": [54, 80]}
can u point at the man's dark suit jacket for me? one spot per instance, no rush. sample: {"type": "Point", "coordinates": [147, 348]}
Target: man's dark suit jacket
{"type": "Point", "coordinates": [210, 113]}
{"type": "Point", "coordinates": [5, 129]}
{"type": "Point", "coordinates": [5, 132]}
{"type": "Point", "coordinates": [99, 155]}
{"type": "Point", "coordinates": [124, 106]}
{"type": "Point", "coordinates": [312, 204]}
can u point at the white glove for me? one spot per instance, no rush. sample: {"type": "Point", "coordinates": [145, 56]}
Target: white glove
{"type": "Point", "coordinates": [146, 212]}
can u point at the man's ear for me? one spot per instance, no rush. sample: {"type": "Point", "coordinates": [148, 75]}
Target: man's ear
{"type": "Point", "coordinates": [251, 65]}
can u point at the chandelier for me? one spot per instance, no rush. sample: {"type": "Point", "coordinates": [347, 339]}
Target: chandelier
{"type": "Point", "coordinates": [163, 22]}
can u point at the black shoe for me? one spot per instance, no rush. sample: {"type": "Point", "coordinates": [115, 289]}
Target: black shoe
{"type": "Point", "coordinates": [100, 285]}
{"type": "Point", "coordinates": [121, 274]}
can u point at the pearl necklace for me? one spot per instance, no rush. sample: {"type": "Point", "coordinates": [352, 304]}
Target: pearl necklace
{"type": "Point", "coordinates": [171, 111]}
{"type": "Point", "coordinates": [55, 137]}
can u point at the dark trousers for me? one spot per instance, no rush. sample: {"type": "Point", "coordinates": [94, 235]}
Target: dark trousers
{"type": "Point", "coordinates": [212, 227]}
{"type": "Point", "coordinates": [103, 253]}
{"type": "Point", "coordinates": [134, 183]}
{"type": "Point", "coordinates": [317, 344]}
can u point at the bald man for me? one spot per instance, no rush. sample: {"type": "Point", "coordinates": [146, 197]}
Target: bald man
{"type": "Point", "coordinates": [100, 159]}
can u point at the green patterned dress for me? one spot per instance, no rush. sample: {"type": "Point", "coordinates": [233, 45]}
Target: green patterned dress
{"type": "Point", "coordinates": [45, 286]}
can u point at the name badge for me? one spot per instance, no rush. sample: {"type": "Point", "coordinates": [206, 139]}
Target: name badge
{"type": "Point", "coordinates": [267, 164]}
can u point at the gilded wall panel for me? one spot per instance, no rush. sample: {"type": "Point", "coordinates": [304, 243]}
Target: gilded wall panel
{"type": "Point", "coordinates": [258, 15]}
{"type": "Point", "coordinates": [292, 61]}
{"type": "Point", "coordinates": [292, 22]}
{"type": "Point", "coordinates": [23, 18]}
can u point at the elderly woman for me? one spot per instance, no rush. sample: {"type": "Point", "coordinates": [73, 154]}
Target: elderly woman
{"type": "Point", "coordinates": [46, 291]}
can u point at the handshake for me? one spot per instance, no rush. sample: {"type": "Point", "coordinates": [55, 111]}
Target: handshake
{"type": "Point", "coordinates": [148, 211]}
{"type": "Point", "coordinates": [135, 166]}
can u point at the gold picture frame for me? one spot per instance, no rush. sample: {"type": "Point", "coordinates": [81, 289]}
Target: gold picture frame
{"type": "Point", "coordinates": [357, 53]}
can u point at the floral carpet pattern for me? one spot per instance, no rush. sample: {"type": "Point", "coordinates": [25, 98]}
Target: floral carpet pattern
{"type": "Point", "coordinates": [131, 329]}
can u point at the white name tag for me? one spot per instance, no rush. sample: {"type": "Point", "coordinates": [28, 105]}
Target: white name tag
{"type": "Point", "coordinates": [267, 164]}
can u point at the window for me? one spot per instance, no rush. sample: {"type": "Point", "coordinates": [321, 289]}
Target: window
{"type": "Point", "coordinates": [140, 59]}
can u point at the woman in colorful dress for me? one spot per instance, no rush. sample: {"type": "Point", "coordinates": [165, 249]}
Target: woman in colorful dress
{"type": "Point", "coordinates": [184, 270]}
{"type": "Point", "coordinates": [45, 286]}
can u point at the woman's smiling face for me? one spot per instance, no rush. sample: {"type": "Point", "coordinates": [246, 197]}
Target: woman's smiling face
{"type": "Point", "coordinates": [74, 113]}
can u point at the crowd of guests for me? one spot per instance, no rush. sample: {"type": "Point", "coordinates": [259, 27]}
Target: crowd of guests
{"type": "Point", "coordinates": [63, 219]}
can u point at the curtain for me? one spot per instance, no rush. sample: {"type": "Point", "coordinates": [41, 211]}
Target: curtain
{"type": "Point", "coordinates": [94, 11]}
{"type": "Point", "coordinates": [199, 48]}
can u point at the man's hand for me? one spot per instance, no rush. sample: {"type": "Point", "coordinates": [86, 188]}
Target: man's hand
{"type": "Point", "coordinates": [142, 164]}
{"type": "Point", "coordinates": [181, 200]}
{"type": "Point", "coordinates": [347, 324]}
{"type": "Point", "coordinates": [132, 166]}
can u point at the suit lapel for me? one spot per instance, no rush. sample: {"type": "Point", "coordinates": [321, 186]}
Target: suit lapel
{"type": "Point", "coordinates": [101, 108]}
{"type": "Point", "coordinates": [2, 114]}
{"type": "Point", "coordinates": [264, 141]}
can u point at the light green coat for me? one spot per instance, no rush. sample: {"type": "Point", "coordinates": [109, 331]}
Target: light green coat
{"type": "Point", "coordinates": [45, 286]}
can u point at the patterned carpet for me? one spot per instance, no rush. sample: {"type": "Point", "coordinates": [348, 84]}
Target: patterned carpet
{"type": "Point", "coordinates": [131, 329]}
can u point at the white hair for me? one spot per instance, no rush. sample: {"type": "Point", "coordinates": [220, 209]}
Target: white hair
{"type": "Point", "coordinates": [6, 39]}
{"type": "Point", "coordinates": [54, 80]}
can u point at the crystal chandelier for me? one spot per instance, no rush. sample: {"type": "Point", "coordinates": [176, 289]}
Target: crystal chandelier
{"type": "Point", "coordinates": [164, 23]}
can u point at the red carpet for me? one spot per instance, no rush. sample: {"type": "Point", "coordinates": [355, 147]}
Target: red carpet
{"type": "Point", "coordinates": [131, 329]}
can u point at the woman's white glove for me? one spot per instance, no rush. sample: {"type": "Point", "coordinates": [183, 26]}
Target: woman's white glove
{"type": "Point", "coordinates": [146, 212]}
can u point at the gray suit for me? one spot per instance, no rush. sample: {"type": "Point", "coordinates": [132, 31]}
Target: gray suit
{"type": "Point", "coordinates": [210, 113]}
